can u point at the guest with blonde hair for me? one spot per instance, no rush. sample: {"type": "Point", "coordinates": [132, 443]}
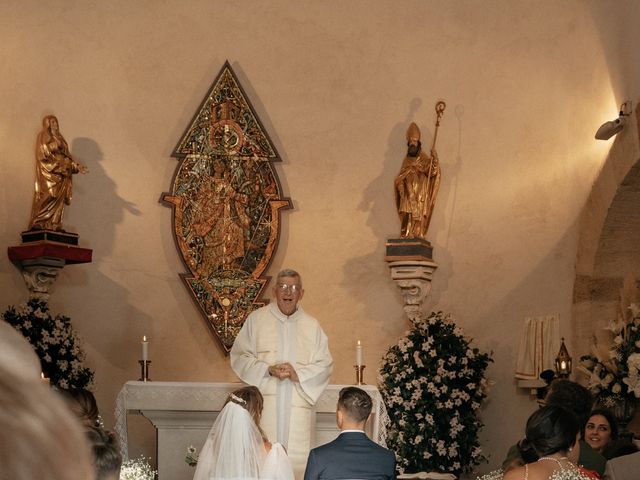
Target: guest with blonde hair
{"type": "Point", "coordinates": [39, 438]}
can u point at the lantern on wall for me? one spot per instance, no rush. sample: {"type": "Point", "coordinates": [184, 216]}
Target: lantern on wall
{"type": "Point", "coordinates": [563, 361]}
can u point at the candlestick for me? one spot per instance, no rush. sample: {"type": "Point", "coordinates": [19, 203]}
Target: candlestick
{"type": "Point", "coordinates": [360, 374]}
{"type": "Point", "coordinates": [145, 348]}
{"type": "Point", "coordinates": [359, 353]}
{"type": "Point", "coordinates": [144, 370]}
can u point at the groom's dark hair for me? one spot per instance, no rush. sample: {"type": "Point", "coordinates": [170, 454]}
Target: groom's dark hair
{"type": "Point", "coordinates": [355, 402]}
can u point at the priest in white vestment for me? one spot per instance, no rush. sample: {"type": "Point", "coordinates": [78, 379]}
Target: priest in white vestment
{"type": "Point", "coordinates": [284, 352]}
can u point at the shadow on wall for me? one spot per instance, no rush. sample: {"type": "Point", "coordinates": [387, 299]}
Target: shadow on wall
{"type": "Point", "coordinates": [102, 210]}
{"type": "Point", "coordinates": [370, 269]}
{"type": "Point", "coordinates": [379, 200]}
{"type": "Point", "coordinates": [104, 299]}
{"type": "Point", "coordinates": [106, 306]}
{"type": "Point", "coordinates": [445, 209]}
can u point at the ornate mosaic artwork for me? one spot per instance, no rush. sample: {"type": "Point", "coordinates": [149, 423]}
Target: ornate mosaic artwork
{"type": "Point", "coordinates": [226, 199]}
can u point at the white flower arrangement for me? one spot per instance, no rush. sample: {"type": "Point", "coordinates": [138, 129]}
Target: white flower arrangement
{"type": "Point", "coordinates": [433, 384]}
{"type": "Point", "coordinates": [615, 375]}
{"type": "Point", "coordinates": [54, 341]}
{"type": "Point", "coordinates": [137, 469]}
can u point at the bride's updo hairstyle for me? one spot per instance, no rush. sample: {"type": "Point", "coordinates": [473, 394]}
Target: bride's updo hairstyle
{"type": "Point", "coordinates": [551, 429]}
{"type": "Point", "coordinates": [251, 400]}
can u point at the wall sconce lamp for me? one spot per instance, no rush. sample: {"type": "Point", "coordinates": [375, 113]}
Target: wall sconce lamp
{"type": "Point", "coordinates": [613, 127]}
{"type": "Point", "coordinates": [563, 361]}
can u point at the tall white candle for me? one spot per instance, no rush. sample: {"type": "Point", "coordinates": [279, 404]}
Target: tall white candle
{"type": "Point", "coordinates": [359, 354]}
{"type": "Point", "coordinates": [145, 348]}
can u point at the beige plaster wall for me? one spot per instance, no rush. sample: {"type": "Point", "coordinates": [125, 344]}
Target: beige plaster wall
{"type": "Point", "coordinates": [336, 84]}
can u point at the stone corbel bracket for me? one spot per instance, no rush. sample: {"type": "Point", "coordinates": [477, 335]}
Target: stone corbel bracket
{"type": "Point", "coordinates": [413, 278]}
{"type": "Point", "coordinates": [412, 266]}
{"type": "Point", "coordinates": [40, 262]}
{"type": "Point", "coordinates": [40, 274]}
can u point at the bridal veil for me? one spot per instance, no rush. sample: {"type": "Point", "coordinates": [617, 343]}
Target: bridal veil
{"type": "Point", "coordinates": [234, 448]}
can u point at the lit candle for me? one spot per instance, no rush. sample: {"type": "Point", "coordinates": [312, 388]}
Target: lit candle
{"type": "Point", "coordinates": [145, 349]}
{"type": "Point", "coordinates": [359, 354]}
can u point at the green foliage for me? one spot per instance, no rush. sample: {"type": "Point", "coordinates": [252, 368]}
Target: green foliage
{"type": "Point", "coordinates": [433, 383]}
{"type": "Point", "coordinates": [54, 341]}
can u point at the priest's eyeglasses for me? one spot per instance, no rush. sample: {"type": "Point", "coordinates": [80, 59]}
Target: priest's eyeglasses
{"type": "Point", "coordinates": [283, 287]}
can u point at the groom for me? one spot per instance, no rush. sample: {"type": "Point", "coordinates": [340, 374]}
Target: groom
{"type": "Point", "coordinates": [352, 454]}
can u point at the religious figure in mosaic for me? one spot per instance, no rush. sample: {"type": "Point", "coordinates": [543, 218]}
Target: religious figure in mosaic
{"type": "Point", "coordinates": [220, 220]}
{"type": "Point", "coordinates": [418, 183]}
{"type": "Point", "coordinates": [226, 199]}
{"type": "Point", "coordinates": [54, 176]}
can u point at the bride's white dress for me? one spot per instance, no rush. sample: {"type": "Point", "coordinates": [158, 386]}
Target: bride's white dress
{"type": "Point", "coordinates": [234, 450]}
{"type": "Point", "coordinates": [276, 465]}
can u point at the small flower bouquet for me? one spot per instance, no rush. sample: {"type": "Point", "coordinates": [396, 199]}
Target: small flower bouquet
{"type": "Point", "coordinates": [54, 341]}
{"type": "Point", "coordinates": [192, 456]}
{"type": "Point", "coordinates": [433, 383]}
{"type": "Point", "coordinates": [614, 372]}
{"type": "Point", "coordinates": [137, 469]}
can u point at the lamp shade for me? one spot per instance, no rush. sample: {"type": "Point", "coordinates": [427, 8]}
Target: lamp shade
{"type": "Point", "coordinates": [610, 128]}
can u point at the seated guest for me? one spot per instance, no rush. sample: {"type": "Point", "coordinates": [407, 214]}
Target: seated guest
{"type": "Point", "coordinates": [237, 448]}
{"type": "Point", "coordinates": [601, 430]}
{"type": "Point", "coordinates": [552, 433]}
{"type": "Point", "coordinates": [352, 454]}
{"type": "Point", "coordinates": [626, 467]}
{"type": "Point", "coordinates": [83, 405]}
{"type": "Point", "coordinates": [577, 400]}
{"type": "Point", "coordinates": [601, 433]}
{"type": "Point", "coordinates": [39, 438]}
{"type": "Point", "coordinates": [107, 459]}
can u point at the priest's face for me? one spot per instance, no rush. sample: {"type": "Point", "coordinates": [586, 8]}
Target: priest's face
{"type": "Point", "coordinates": [288, 291]}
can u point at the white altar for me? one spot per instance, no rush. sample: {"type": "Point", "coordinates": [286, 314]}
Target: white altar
{"type": "Point", "coordinates": [183, 413]}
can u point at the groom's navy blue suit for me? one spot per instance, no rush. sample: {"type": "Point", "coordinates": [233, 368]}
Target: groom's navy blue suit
{"type": "Point", "coordinates": [350, 456]}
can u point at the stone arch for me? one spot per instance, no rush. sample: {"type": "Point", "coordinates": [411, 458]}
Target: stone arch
{"type": "Point", "coordinates": [608, 240]}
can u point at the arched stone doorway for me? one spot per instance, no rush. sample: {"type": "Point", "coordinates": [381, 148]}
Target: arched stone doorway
{"type": "Point", "coordinates": [609, 240]}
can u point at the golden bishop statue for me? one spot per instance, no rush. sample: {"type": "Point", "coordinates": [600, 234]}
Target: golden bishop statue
{"type": "Point", "coordinates": [418, 182]}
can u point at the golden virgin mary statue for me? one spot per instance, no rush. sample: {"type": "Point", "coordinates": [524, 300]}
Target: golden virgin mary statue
{"type": "Point", "coordinates": [54, 171]}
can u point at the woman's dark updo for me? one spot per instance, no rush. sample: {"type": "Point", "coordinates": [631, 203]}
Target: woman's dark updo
{"type": "Point", "coordinates": [551, 429]}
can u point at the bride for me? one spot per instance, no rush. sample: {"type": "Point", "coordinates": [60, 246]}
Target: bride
{"type": "Point", "coordinates": [237, 448]}
{"type": "Point", "coordinates": [552, 433]}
